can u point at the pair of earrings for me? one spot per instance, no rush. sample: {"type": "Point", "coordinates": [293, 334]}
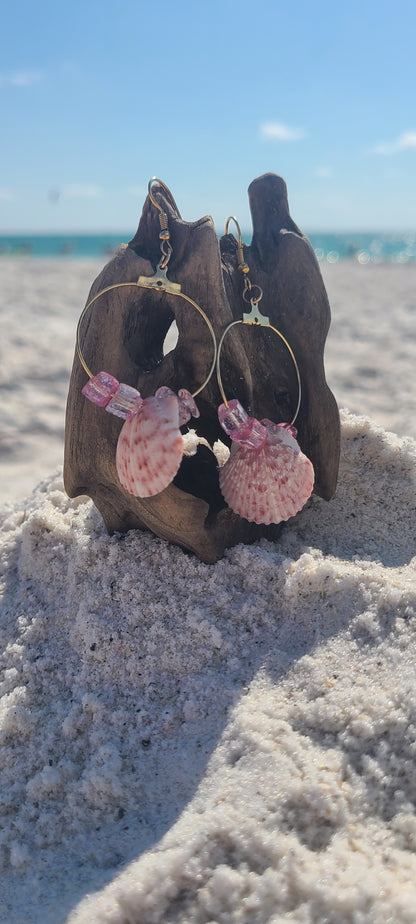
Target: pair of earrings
{"type": "Point", "coordinates": [266, 479]}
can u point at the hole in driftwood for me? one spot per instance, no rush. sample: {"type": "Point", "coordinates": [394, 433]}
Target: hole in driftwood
{"type": "Point", "coordinates": [147, 324]}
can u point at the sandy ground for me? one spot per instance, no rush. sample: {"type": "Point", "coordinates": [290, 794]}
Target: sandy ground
{"type": "Point", "coordinates": [369, 361]}
{"type": "Point", "coordinates": [194, 743]}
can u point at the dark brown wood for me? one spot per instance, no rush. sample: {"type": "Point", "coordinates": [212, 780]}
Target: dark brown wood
{"type": "Point", "coordinates": [283, 263]}
{"type": "Point", "coordinates": [124, 331]}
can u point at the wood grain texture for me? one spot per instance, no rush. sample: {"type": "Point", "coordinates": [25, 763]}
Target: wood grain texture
{"type": "Point", "coordinates": [124, 331]}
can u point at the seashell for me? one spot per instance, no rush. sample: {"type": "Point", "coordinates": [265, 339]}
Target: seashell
{"type": "Point", "coordinates": [150, 446]}
{"type": "Point", "coordinates": [270, 484]}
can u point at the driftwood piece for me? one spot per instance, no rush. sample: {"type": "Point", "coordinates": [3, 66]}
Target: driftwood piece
{"type": "Point", "coordinates": [124, 332]}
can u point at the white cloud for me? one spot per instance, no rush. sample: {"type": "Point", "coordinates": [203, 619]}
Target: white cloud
{"type": "Point", "coordinates": [6, 194]}
{"type": "Point", "coordinates": [405, 142]}
{"type": "Point", "coordinates": [323, 172]}
{"type": "Point", "coordinates": [82, 191]}
{"type": "Point", "coordinates": [20, 79]}
{"type": "Point", "coordinates": [276, 131]}
{"type": "Point", "coordinates": [136, 191]}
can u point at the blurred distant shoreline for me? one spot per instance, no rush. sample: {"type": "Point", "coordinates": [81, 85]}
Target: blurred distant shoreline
{"type": "Point", "coordinates": [331, 247]}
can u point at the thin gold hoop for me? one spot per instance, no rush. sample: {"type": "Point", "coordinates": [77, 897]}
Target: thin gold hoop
{"type": "Point", "coordinates": [253, 317]}
{"type": "Point", "coordinates": [140, 285]}
{"type": "Point", "coordinates": [256, 324]}
{"type": "Point", "coordinates": [159, 281]}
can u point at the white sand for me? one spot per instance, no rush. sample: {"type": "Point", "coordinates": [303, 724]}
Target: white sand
{"type": "Point", "coordinates": [370, 355]}
{"type": "Point", "coordinates": [195, 743]}
{"type": "Point", "coordinates": [40, 302]}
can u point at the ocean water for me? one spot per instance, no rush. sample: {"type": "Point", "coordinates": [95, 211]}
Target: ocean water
{"type": "Point", "coordinates": [331, 247]}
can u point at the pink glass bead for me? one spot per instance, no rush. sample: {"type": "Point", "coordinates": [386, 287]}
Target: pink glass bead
{"type": "Point", "coordinates": [240, 427]}
{"type": "Point", "coordinates": [290, 429]}
{"type": "Point", "coordinates": [272, 427]}
{"type": "Point", "coordinates": [165, 392]}
{"type": "Point", "coordinates": [257, 436]}
{"type": "Point", "coordinates": [125, 402]}
{"type": "Point", "coordinates": [100, 388]}
{"type": "Point", "coordinates": [187, 406]}
{"type": "Point", "coordinates": [233, 418]}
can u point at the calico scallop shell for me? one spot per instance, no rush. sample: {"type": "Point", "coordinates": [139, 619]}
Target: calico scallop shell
{"type": "Point", "coordinates": [270, 484]}
{"type": "Point", "coordinates": [150, 446]}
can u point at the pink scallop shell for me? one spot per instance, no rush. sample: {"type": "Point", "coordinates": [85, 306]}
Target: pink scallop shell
{"type": "Point", "coordinates": [270, 484]}
{"type": "Point", "coordinates": [150, 447]}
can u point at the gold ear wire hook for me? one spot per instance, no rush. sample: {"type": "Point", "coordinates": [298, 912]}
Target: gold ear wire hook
{"type": "Point", "coordinates": [242, 265]}
{"type": "Point", "coordinates": [164, 234]}
{"type": "Point", "coordinates": [155, 179]}
{"type": "Point", "coordinates": [249, 289]}
{"type": "Point", "coordinates": [233, 218]}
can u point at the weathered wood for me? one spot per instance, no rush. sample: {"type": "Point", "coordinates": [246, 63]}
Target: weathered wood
{"type": "Point", "coordinates": [124, 331]}
{"type": "Point", "coordinates": [283, 263]}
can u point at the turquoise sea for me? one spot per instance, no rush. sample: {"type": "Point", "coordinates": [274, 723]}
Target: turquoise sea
{"type": "Point", "coordinates": [365, 247]}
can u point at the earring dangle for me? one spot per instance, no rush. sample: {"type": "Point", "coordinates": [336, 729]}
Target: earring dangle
{"type": "Point", "coordinates": [267, 477]}
{"type": "Point", "coordinates": [150, 445]}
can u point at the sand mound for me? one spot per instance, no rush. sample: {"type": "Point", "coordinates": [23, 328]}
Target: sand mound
{"type": "Point", "coordinates": [213, 743]}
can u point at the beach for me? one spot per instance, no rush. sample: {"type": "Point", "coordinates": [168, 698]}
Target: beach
{"type": "Point", "coordinates": [369, 357]}
{"type": "Point", "coordinates": [184, 742]}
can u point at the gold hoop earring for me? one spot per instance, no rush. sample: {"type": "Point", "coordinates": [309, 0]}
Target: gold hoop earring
{"type": "Point", "coordinates": [150, 447]}
{"type": "Point", "coordinates": [267, 478]}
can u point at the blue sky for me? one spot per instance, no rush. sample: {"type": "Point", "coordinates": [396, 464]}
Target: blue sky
{"type": "Point", "coordinates": [97, 97]}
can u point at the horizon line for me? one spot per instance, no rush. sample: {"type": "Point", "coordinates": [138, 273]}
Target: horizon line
{"type": "Point", "coordinates": [244, 231]}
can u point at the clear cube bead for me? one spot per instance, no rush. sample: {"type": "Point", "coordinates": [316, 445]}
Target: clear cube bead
{"type": "Point", "coordinates": [240, 427]}
{"type": "Point", "coordinates": [125, 402]}
{"type": "Point", "coordinates": [232, 417]}
{"type": "Point", "coordinates": [100, 388]}
{"type": "Point", "coordinates": [257, 436]}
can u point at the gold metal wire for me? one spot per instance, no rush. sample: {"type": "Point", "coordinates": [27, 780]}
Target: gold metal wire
{"type": "Point", "coordinates": [254, 318]}
{"type": "Point", "coordinates": [242, 265]}
{"type": "Point", "coordinates": [140, 285]}
{"type": "Point", "coordinates": [159, 280]}
{"type": "Point", "coordinates": [266, 326]}
{"type": "Point", "coordinates": [155, 179]}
